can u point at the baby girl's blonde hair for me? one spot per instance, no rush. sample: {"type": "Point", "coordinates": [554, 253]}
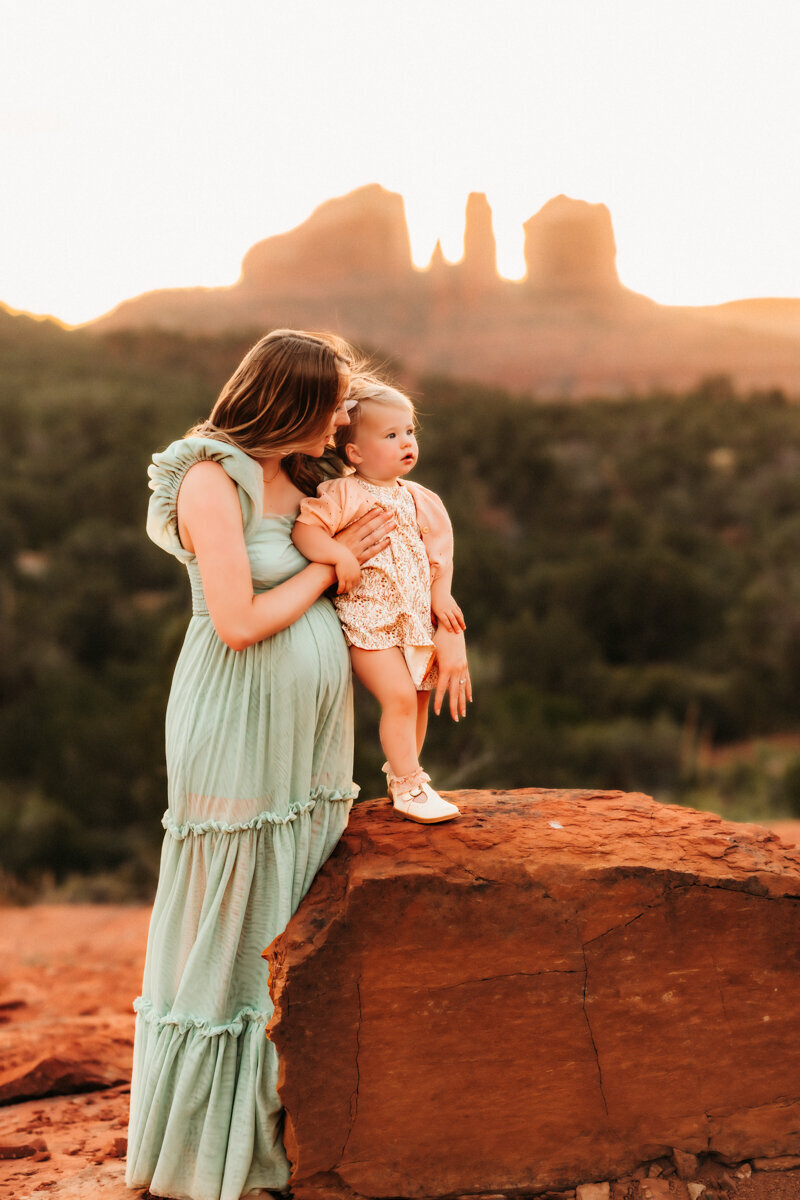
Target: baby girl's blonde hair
{"type": "Point", "coordinates": [370, 388]}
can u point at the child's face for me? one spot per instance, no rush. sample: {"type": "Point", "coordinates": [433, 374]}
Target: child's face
{"type": "Point", "coordinates": [384, 445]}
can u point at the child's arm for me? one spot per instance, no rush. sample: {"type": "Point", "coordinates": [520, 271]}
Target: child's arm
{"type": "Point", "coordinates": [317, 545]}
{"type": "Point", "coordinates": [437, 537]}
{"type": "Point", "coordinates": [444, 607]}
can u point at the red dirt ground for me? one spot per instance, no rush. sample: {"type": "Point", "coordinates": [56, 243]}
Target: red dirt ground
{"type": "Point", "coordinates": [69, 976]}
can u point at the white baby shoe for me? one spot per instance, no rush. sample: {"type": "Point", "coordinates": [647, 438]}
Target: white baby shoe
{"type": "Point", "coordinates": [412, 797]}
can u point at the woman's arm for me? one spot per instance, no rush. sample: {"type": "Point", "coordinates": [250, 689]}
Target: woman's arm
{"type": "Point", "coordinates": [210, 522]}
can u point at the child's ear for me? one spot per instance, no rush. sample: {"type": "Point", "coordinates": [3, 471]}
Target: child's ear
{"type": "Point", "coordinates": [354, 456]}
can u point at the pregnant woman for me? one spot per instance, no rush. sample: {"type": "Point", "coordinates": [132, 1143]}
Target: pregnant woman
{"type": "Point", "coordinates": [259, 760]}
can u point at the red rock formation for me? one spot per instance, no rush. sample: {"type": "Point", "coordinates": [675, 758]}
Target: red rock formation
{"type": "Point", "coordinates": [553, 988]}
{"type": "Point", "coordinates": [570, 247]}
{"type": "Point", "coordinates": [442, 297]}
{"type": "Point", "coordinates": [438, 263]}
{"type": "Point", "coordinates": [569, 329]}
{"type": "Point", "coordinates": [479, 264]}
{"type": "Point", "coordinates": [765, 314]}
{"type": "Point", "coordinates": [359, 242]}
{"type": "Point", "coordinates": [68, 975]}
{"type": "Point", "coordinates": [76, 1069]}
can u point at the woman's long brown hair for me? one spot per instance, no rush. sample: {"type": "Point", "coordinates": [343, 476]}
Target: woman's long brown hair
{"type": "Point", "coordinates": [281, 396]}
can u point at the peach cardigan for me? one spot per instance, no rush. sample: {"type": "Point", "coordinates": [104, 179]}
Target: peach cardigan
{"type": "Point", "coordinates": [339, 502]}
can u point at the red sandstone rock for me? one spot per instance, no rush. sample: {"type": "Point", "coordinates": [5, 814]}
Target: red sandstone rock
{"type": "Point", "coordinates": [552, 989]}
{"type": "Point", "coordinates": [685, 1164]}
{"type": "Point", "coordinates": [356, 241]}
{"type": "Point", "coordinates": [570, 329]}
{"type": "Point", "coordinates": [786, 1162]}
{"type": "Point", "coordinates": [56, 1076]}
{"type": "Point", "coordinates": [69, 1025]}
{"type": "Point", "coordinates": [68, 976]}
{"type": "Point", "coordinates": [662, 1189]}
{"type": "Point", "coordinates": [479, 265]}
{"type": "Point", "coordinates": [569, 246]}
{"type": "Point", "coordinates": [438, 263]}
{"type": "Point", "coordinates": [22, 1149]}
{"type": "Point", "coordinates": [95, 954]}
{"type": "Point", "coordinates": [593, 1191]}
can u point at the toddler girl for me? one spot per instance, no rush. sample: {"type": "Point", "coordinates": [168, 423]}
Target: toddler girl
{"type": "Point", "coordinates": [385, 606]}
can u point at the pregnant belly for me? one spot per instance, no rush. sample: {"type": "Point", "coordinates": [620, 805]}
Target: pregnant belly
{"type": "Point", "coordinates": [244, 726]}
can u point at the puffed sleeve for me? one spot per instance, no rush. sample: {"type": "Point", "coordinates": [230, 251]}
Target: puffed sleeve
{"type": "Point", "coordinates": [166, 476]}
{"type": "Point", "coordinates": [336, 504]}
{"type": "Point", "coordinates": [322, 512]}
{"type": "Point", "coordinates": [436, 531]}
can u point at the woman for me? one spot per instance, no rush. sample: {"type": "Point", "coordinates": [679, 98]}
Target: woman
{"type": "Point", "coordinates": [259, 762]}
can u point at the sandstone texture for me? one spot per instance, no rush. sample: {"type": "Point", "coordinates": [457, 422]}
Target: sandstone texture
{"type": "Point", "coordinates": [569, 328]}
{"type": "Point", "coordinates": [547, 992]}
{"type": "Point", "coordinates": [68, 976]}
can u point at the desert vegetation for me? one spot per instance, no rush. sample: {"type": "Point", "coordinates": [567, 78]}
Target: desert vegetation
{"type": "Point", "coordinates": [629, 568]}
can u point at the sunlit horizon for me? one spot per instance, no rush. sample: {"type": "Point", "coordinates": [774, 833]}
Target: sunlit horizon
{"type": "Point", "coordinates": [152, 146]}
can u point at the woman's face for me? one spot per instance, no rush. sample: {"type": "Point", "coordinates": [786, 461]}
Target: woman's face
{"type": "Point", "coordinates": [316, 447]}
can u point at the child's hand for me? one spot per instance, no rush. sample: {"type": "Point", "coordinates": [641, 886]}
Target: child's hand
{"type": "Point", "coordinates": [449, 615]}
{"type": "Point", "coordinates": [348, 572]}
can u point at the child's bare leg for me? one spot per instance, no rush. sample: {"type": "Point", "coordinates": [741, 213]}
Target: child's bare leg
{"type": "Point", "coordinates": [386, 675]}
{"type": "Point", "coordinates": [423, 701]}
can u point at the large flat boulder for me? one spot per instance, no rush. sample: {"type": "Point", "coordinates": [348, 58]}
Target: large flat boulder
{"type": "Point", "coordinates": [553, 988]}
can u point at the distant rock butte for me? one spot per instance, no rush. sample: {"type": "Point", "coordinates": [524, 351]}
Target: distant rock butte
{"type": "Point", "coordinates": [554, 988]}
{"type": "Point", "coordinates": [568, 328]}
{"type": "Point", "coordinates": [355, 242]}
{"type": "Point", "coordinates": [480, 250]}
{"type": "Point", "coordinates": [570, 247]}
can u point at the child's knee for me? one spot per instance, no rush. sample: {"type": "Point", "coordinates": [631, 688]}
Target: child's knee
{"type": "Point", "coordinates": [400, 698]}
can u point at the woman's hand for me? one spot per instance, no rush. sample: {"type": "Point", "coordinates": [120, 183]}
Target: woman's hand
{"type": "Point", "coordinates": [451, 652]}
{"type": "Point", "coordinates": [367, 536]}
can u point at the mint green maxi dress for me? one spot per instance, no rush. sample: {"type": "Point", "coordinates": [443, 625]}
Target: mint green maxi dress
{"type": "Point", "coordinates": [259, 764]}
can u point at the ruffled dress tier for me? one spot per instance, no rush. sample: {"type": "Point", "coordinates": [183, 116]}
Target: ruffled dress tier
{"type": "Point", "coordinates": [259, 764]}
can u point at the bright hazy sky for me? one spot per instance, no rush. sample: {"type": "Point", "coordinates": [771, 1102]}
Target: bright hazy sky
{"type": "Point", "coordinates": [149, 143]}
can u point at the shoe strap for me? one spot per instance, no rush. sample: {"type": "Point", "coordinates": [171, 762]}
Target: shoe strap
{"type": "Point", "coordinates": [411, 782]}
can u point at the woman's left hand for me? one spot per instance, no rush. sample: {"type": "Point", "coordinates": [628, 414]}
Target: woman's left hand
{"type": "Point", "coordinates": [451, 652]}
{"type": "Point", "coordinates": [368, 535]}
